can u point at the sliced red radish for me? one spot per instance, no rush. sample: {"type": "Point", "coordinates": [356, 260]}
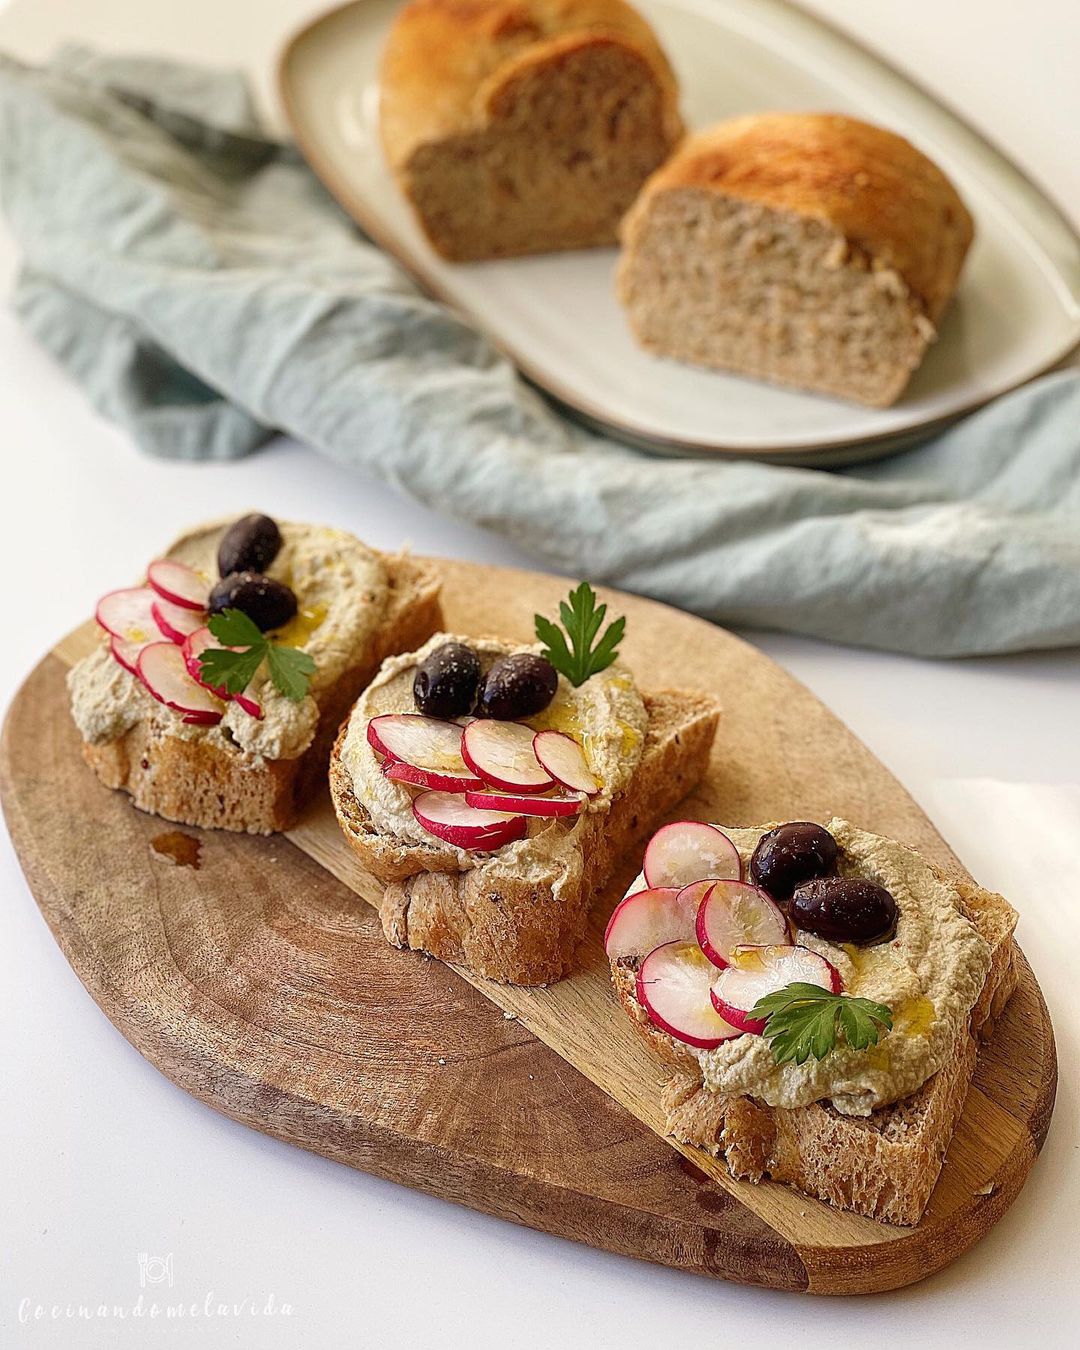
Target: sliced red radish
{"type": "Point", "coordinates": [179, 583]}
{"type": "Point", "coordinates": [127, 654]}
{"type": "Point", "coordinates": [757, 971]}
{"type": "Point", "coordinates": [447, 816]}
{"type": "Point", "coordinates": [423, 742]}
{"type": "Point", "coordinates": [673, 988]}
{"type": "Point", "coordinates": [734, 914]}
{"type": "Point", "coordinates": [690, 850]}
{"type": "Point", "coordinates": [129, 615]}
{"type": "Point", "coordinates": [175, 622]}
{"type": "Point", "coordinates": [564, 759]}
{"type": "Point", "coordinates": [399, 772]}
{"type": "Point", "coordinates": [488, 799]}
{"type": "Point", "coordinates": [249, 703]}
{"type": "Point", "coordinates": [193, 647]}
{"type": "Point", "coordinates": [502, 754]}
{"type": "Point", "coordinates": [646, 920]}
{"type": "Point", "coordinates": [163, 670]}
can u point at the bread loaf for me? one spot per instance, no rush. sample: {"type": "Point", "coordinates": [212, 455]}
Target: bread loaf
{"type": "Point", "coordinates": [808, 249]}
{"type": "Point", "coordinates": [523, 126]}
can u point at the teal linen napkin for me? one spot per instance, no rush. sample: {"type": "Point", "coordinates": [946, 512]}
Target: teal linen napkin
{"type": "Point", "coordinates": [196, 280]}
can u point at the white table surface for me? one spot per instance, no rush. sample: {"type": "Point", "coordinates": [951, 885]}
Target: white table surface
{"type": "Point", "coordinates": [102, 1159]}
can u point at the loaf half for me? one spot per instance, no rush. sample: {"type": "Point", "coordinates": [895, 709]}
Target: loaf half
{"type": "Point", "coordinates": [883, 1166]}
{"type": "Point", "coordinates": [517, 929]}
{"type": "Point", "coordinates": [524, 126]}
{"type": "Point", "coordinates": [807, 249]}
{"type": "Point", "coordinates": [199, 783]}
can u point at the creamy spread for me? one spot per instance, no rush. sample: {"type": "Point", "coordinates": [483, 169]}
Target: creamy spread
{"type": "Point", "coordinates": [341, 589]}
{"type": "Point", "coordinates": [605, 715]}
{"type": "Point", "coordinates": [930, 975]}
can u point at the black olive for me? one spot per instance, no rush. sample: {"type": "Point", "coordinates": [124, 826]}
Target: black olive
{"type": "Point", "coordinates": [250, 545]}
{"type": "Point", "coordinates": [792, 854]}
{"type": "Point", "coordinates": [446, 681]}
{"type": "Point", "coordinates": [268, 603]}
{"type": "Point", "coordinates": [517, 686]}
{"type": "Point", "coordinates": [844, 909]}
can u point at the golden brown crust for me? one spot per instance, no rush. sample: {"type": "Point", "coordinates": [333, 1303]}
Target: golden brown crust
{"type": "Point", "coordinates": [505, 927]}
{"type": "Point", "coordinates": [883, 1166]}
{"type": "Point", "coordinates": [881, 194]}
{"type": "Point", "coordinates": [199, 783]}
{"type": "Point", "coordinates": [446, 60]}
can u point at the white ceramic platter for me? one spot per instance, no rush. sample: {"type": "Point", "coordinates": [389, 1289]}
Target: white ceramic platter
{"type": "Point", "coordinates": [1016, 315]}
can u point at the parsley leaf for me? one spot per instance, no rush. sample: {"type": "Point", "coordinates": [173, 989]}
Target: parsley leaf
{"type": "Point", "coordinates": [233, 628]}
{"type": "Point", "coordinates": [582, 619]}
{"type": "Point", "coordinates": [232, 671]}
{"type": "Point", "coordinates": [803, 1020]}
{"type": "Point", "coordinates": [235, 664]}
{"type": "Point", "coordinates": [290, 670]}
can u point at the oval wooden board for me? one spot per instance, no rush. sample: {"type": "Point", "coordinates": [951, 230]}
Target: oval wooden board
{"type": "Point", "coordinates": [260, 985]}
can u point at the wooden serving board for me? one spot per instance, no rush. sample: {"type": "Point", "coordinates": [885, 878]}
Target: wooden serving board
{"type": "Point", "coordinates": [258, 983]}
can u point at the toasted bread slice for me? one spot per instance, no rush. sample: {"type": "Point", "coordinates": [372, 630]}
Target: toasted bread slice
{"type": "Point", "coordinates": [884, 1165]}
{"type": "Point", "coordinates": [515, 929]}
{"type": "Point", "coordinates": [196, 782]}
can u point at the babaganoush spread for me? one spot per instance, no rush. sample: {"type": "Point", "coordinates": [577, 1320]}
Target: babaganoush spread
{"type": "Point", "coordinates": [924, 967]}
{"type": "Point", "coordinates": [341, 590]}
{"type": "Point", "coordinates": [604, 715]}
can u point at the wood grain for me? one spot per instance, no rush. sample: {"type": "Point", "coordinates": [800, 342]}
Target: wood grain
{"type": "Point", "coordinates": [259, 985]}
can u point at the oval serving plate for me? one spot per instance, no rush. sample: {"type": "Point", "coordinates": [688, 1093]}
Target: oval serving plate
{"type": "Point", "coordinates": [1016, 315]}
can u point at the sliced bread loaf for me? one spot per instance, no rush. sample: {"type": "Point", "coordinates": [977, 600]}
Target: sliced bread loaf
{"type": "Point", "coordinates": [523, 126]}
{"type": "Point", "coordinates": [524, 929]}
{"type": "Point", "coordinates": [808, 249]}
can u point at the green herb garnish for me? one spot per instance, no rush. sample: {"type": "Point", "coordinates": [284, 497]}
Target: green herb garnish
{"type": "Point", "coordinates": [804, 1020]}
{"type": "Point", "coordinates": [233, 670]}
{"type": "Point", "coordinates": [582, 618]}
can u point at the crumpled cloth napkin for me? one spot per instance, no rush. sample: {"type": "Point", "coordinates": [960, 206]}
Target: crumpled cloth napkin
{"type": "Point", "coordinates": [193, 276]}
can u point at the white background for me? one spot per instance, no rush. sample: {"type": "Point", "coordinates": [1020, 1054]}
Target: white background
{"type": "Point", "coordinates": [101, 1158]}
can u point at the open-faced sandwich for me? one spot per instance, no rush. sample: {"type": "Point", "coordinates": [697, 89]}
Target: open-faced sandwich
{"type": "Point", "coordinates": [818, 991]}
{"type": "Point", "coordinates": [218, 685]}
{"type": "Point", "coordinates": [492, 786]}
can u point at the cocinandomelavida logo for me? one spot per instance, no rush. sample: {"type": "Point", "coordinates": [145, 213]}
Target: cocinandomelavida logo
{"type": "Point", "coordinates": [155, 1269]}
{"type": "Point", "coordinates": [157, 1275]}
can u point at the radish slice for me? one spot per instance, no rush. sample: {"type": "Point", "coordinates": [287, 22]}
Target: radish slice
{"type": "Point", "coordinates": [129, 615]}
{"type": "Point", "coordinates": [127, 654]}
{"type": "Point", "coordinates": [193, 647]}
{"type": "Point", "coordinates": [423, 742]}
{"type": "Point", "coordinates": [487, 799]}
{"type": "Point", "coordinates": [733, 914]}
{"type": "Point", "coordinates": [447, 816]}
{"type": "Point", "coordinates": [175, 622]}
{"type": "Point", "coordinates": [179, 583]}
{"type": "Point", "coordinates": [757, 971]}
{"type": "Point", "coordinates": [673, 988]}
{"type": "Point", "coordinates": [502, 754]}
{"type": "Point", "coordinates": [564, 760]}
{"type": "Point", "coordinates": [249, 703]}
{"type": "Point", "coordinates": [646, 920]}
{"type": "Point", "coordinates": [690, 850]}
{"type": "Point", "coordinates": [163, 670]}
{"type": "Point", "coordinates": [399, 772]}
